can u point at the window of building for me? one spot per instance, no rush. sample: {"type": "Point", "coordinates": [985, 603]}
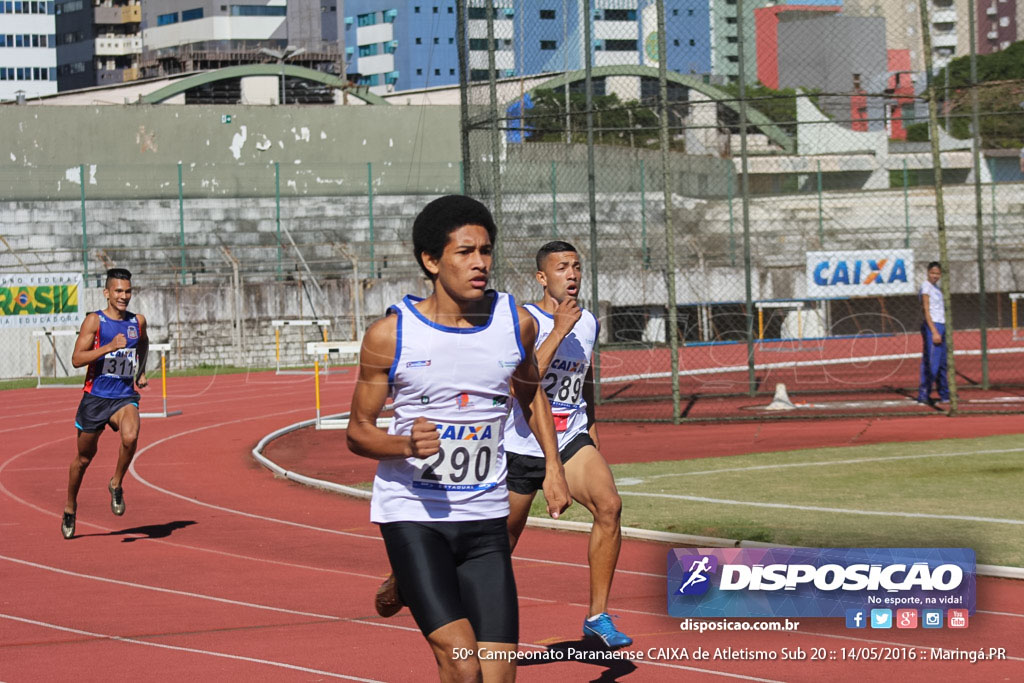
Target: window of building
{"type": "Point", "coordinates": [165, 19]}
{"type": "Point", "coordinates": [730, 20]}
{"type": "Point", "coordinates": [547, 14]}
{"type": "Point", "coordinates": [349, 51]}
{"type": "Point", "coordinates": [65, 8]}
{"type": "Point", "coordinates": [477, 13]}
{"type": "Point", "coordinates": [419, 41]}
{"type": "Point", "coordinates": [416, 10]}
{"type": "Point", "coordinates": [509, 73]}
{"type": "Point", "coordinates": [368, 19]}
{"type": "Point", "coordinates": [856, 81]}
{"type": "Point", "coordinates": [437, 40]}
{"type": "Point", "coordinates": [192, 14]}
{"type": "Point", "coordinates": [675, 13]}
{"type": "Point", "coordinates": [437, 72]}
{"type": "Point", "coordinates": [692, 42]}
{"type": "Point", "coordinates": [478, 44]}
{"type": "Point", "coordinates": [451, 41]}
{"type": "Point", "coordinates": [620, 45]}
{"type": "Point", "coordinates": [349, 21]}
{"type": "Point", "coordinates": [390, 16]}
{"type": "Point", "coordinates": [435, 10]}
{"type": "Point", "coordinates": [259, 10]}
{"type": "Point", "coordinates": [391, 77]}
{"type": "Point", "coordinates": [620, 15]}
{"type": "Point", "coordinates": [510, 13]}
{"type": "Point", "coordinates": [368, 50]}
{"type": "Point", "coordinates": [451, 72]}
{"type": "Point", "coordinates": [689, 12]}
{"type": "Point", "coordinates": [391, 47]}
{"type": "Point", "coordinates": [675, 41]}
{"type": "Point", "coordinates": [549, 45]}
{"type": "Point", "coordinates": [419, 72]}
{"type": "Point", "coordinates": [451, 10]}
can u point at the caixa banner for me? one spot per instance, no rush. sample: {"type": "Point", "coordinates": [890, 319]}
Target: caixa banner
{"type": "Point", "coordinates": [860, 273]}
{"type": "Point", "coordinates": [817, 582]}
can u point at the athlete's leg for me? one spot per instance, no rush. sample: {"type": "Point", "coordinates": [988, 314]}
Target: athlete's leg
{"type": "Point", "coordinates": [518, 511]}
{"type": "Point", "coordinates": [592, 485]}
{"type": "Point", "coordinates": [87, 442]}
{"type": "Point", "coordinates": [455, 647]}
{"type": "Point", "coordinates": [127, 422]}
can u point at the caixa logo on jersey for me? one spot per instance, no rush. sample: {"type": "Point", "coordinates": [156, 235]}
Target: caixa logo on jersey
{"type": "Point", "coordinates": [860, 273]}
{"type": "Point", "coordinates": [813, 582]}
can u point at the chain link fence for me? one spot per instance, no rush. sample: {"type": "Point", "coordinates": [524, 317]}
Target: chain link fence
{"type": "Point", "coordinates": [759, 207]}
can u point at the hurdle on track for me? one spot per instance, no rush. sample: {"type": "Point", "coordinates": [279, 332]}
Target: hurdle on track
{"type": "Point", "coordinates": [50, 334]}
{"type": "Point", "coordinates": [163, 349]}
{"type": "Point", "coordinates": [278, 324]}
{"type": "Point", "coordinates": [317, 349]}
{"type": "Point", "coordinates": [1014, 297]}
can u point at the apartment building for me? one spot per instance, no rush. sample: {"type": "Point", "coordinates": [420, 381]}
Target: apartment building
{"type": "Point", "coordinates": [98, 42]}
{"type": "Point", "coordinates": [28, 53]}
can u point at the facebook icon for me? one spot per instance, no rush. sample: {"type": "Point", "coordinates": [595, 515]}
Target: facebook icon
{"type": "Point", "coordinates": [856, 618]}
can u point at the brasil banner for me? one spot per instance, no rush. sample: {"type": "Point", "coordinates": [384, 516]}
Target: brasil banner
{"type": "Point", "coordinates": [39, 299]}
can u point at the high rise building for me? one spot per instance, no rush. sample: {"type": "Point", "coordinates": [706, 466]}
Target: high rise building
{"type": "Point", "coordinates": [191, 35]}
{"type": "Point", "coordinates": [98, 42]}
{"type": "Point", "coordinates": [28, 54]}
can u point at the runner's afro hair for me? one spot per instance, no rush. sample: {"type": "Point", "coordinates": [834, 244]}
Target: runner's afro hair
{"type": "Point", "coordinates": [443, 216]}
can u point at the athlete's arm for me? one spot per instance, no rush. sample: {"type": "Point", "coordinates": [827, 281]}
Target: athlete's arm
{"type": "Point", "coordinates": [588, 396]}
{"type": "Point", "coordinates": [363, 436]}
{"type": "Point", "coordinates": [566, 315]}
{"type": "Point", "coordinates": [143, 350]}
{"type": "Point", "coordinates": [84, 353]}
{"type": "Point", "coordinates": [537, 411]}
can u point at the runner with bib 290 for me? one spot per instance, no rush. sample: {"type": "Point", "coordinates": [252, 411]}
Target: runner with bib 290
{"type": "Point", "coordinates": [450, 364]}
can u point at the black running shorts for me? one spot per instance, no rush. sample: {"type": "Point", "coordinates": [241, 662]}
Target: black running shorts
{"type": "Point", "coordinates": [526, 472]}
{"type": "Point", "coordinates": [94, 412]}
{"type": "Point", "coordinates": [448, 571]}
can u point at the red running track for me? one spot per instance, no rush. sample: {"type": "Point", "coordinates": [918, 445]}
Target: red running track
{"type": "Point", "coordinates": [220, 571]}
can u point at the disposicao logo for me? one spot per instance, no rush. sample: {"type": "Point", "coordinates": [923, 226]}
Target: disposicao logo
{"type": "Point", "coordinates": [697, 581]}
{"type": "Point", "coordinates": [808, 582]}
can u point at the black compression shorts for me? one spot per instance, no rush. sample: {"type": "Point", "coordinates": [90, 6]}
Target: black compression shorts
{"type": "Point", "coordinates": [94, 412]}
{"type": "Point", "coordinates": [448, 571]}
{"type": "Point", "coordinates": [526, 472]}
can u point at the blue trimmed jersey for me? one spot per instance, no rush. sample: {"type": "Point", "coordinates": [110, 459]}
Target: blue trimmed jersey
{"type": "Point", "coordinates": [113, 375]}
{"type": "Point", "coordinates": [562, 382]}
{"type": "Point", "coordinates": [459, 379]}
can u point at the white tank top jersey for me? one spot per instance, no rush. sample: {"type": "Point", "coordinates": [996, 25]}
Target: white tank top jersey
{"type": "Point", "coordinates": [562, 382]}
{"type": "Point", "coordinates": [936, 304]}
{"type": "Point", "coordinates": [458, 378]}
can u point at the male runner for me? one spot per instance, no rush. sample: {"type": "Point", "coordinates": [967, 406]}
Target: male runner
{"type": "Point", "coordinates": [113, 343]}
{"type": "Point", "coordinates": [450, 363]}
{"type": "Point", "coordinates": [565, 344]}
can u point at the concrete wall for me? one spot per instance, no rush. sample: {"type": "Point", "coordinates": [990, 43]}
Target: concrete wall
{"type": "Point", "coordinates": [135, 149]}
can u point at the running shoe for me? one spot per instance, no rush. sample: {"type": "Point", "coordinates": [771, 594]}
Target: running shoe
{"type": "Point", "coordinates": [386, 602]}
{"type": "Point", "coordinates": [602, 627]}
{"type": "Point", "coordinates": [116, 499]}
{"type": "Point", "coordinates": [67, 525]}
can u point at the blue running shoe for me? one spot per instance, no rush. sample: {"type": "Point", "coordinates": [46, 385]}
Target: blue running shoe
{"type": "Point", "coordinates": [602, 627]}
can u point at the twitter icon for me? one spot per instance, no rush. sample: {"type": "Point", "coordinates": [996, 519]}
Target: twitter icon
{"type": "Point", "coordinates": [881, 618]}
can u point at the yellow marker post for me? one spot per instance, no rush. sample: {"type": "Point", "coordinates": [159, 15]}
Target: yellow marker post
{"type": "Point", "coordinates": [316, 384]}
{"type": "Point", "coordinates": [163, 379]}
{"type": "Point", "coordinates": [760, 323]}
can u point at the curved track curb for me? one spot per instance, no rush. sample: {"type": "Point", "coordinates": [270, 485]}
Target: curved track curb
{"type": "Point", "coordinates": [686, 540]}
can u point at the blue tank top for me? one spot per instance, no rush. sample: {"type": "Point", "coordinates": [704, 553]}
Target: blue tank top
{"type": "Point", "coordinates": [113, 375]}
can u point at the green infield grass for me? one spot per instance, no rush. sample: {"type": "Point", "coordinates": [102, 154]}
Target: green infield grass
{"type": "Point", "coordinates": [953, 493]}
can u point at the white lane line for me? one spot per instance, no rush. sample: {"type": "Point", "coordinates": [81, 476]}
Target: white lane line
{"type": "Point", "coordinates": [815, 508]}
{"type": "Point", "coordinates": [251, 515]}
{"type": "Point", "coordinates": [163, 646]}
{"type": "Point", "coordinates": [824, 463]}
{"type": "Point", "coordinates": [170, 591]}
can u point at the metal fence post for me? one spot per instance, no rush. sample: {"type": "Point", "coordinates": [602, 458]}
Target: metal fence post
{"type": "Point", "coordinates": [554, 201]}
{"type": "Point", "coordinates": [745, 192]}
{"type": "Point", "coordinates": [670, 241]}
{"type": "Point", "coordinates": [277, 214]}
{"type": "Point", "coordinates": [592, 185]}
{"type": "Point", "coordinates": [906, 207]}
{"type": "Point", "coordinates": [940, 206]}
{"type": "Point", "coordinates": [181, 222]}
{"type": "Point", "coordinates": [821, 219]}
{"type": "Point", "coordinates": [369, 200]}
{"type": "Point", "coordinates": [85, 234]}
{"type": "Point", "coordinates": [978, 221]}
